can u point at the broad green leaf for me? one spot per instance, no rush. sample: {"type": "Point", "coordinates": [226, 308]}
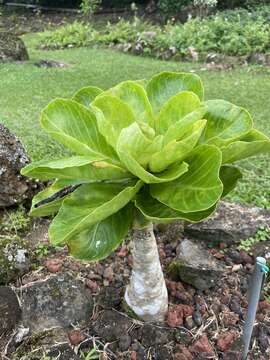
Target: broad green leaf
{"type": "Point", "coordinates": [86, 95]}
{"type": "Point", "coordinates": [134, 95]}
{"type": "Point", "coordinates": [177, 150]}
{"type": "Point", "coordinates": [137, 145]}
{"type": "Point", "coordinates": [155, 211]}
{"type": "Point", "coordinates": [80, 168]}
{"type": "Point", "coordinates": [225, 122]}
{"type": "Point", "coordinates": [251, 144]}
{"type": "Point", "coordinates": [172, 173]}
{"type": "Point", "coordinates": [112, 115]}
{"type": "Point", "coordinates": [179, 129]}
{"type": "Point", "coordinates": [229, 175]}
{"type": "Point", "coordinates": [167, 84]}
{"type": "Point", "coordinates": [199, 188]}
{"type": "Point", "coordinates": [102, 238]}
{"type": "Point", "coordinates": [142, 82]}
{"type": "Point", "coordinates": [75, 126]}
{"type": "Point", "coordinates": [51, 207]}
{"type": "Point", "coordinates": [89, 204]}
{"type": "Point", "coordinates": [175, 109]}
{"type": "Point", "coordinates": [136, 169]}
{"type": "Point", "coordinates": [147, 130]}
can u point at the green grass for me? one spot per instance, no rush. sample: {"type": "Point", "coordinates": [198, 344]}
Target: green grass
{"type": "Point", "coordinates": [26, 89]}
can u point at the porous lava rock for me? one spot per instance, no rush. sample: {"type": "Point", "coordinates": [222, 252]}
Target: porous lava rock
{"type": "Point", "coordinates": [12, 48]}
{"type": "Point", "coordinates": [14, 188]}
{"type": "Point", "coordinates": [195, 266]}
{"type": "Point", "coordinates": [230, 224]}
{"type": "Point", "coordinates": [59, 300]}
{"type": "Point", "coordinates": [10, 314]}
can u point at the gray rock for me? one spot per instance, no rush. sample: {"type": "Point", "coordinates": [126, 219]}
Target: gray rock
{"type": "Point", "coordinates": [51, 64]}
{"type": "Point", "coordinates": [63, 352]}
{"type": "Point", "coordinates": [10, 314]}
{"type": "Point", "coordinates": [12, 48]}
{"type": "Point", "coordinates": [15, 259]}
{"type": "Point", "coordinates": [111, 325]}
{"type": "Point", "coordinates": [110, 297]}
{"type": "Point", "coordinates": [14, 188]}
{"type": "Point", "coordinates": [195, 266]}
{"type": "Point", "coordinates": [53, 342]}
{"type": "Point", "coordinates": [230, 224]}
{"type": "Point", "coordinates": [257, 58]}
{"type": "Point", "coordinates": [149, 34]}
{"type": "Point", "coordinates": [60, 300]}
{"type": "Point", "coordinates": [152, 336]}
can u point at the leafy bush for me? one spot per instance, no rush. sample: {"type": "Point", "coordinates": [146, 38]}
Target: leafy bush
{"type": "Point", "coordinates": [220, 35]}
{"type": "Point", "coordinates": [172, 7]}
{"type": "Point", "coordinates": [230, 32]}
{"type": "Point", "coordinates": [72, 35]}
{"type": "Point", "coordinates": [123, 31]}
{"type": "Point", "coordinates": [232, 4]}
{"type": "Point", "coordinates": [88, 7]}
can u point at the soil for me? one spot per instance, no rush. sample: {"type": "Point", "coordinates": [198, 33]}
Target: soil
{"type": "Point", "coordinates": [200, 324]}
{"type": "Point", "coordinates": [20, 21]}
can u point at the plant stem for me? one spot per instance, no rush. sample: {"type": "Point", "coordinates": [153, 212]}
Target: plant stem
{"type": "Point", "coordinates": [147, 294]}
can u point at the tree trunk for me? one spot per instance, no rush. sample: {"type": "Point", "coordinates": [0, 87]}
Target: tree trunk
{"type": "Point", "coordinates": [147, 294]}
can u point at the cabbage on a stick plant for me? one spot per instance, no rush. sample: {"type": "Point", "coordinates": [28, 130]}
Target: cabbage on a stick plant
{"type": "Point", "coordinates": [144, 152]}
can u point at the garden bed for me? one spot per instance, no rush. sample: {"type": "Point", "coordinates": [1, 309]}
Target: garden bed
{"type": "Point", "coordinates": [201, 324]}
{"type": "Point", "coordinates": [232, 38]}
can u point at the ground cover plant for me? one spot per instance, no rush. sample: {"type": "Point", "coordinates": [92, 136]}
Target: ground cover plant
{"type": "Point", "coordinates": [143, 152]}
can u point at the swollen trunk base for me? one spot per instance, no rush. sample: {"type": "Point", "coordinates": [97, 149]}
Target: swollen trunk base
{"type": "Point", "coordinates": [146, 294]}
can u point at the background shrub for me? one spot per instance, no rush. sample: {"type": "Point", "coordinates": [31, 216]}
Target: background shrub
{"type": "Point", "coordinates": [172, 7]}
{"type": "Point", "coordinates": [237, 36]}
{"type": "Point", "coordinates": [72, 35]}
{"type": "Point", "coordinates": [231, 4]}
{"type": "Point", "coordinates": [229, 32]}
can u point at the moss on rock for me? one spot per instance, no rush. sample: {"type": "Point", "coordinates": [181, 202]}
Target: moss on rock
{"type": "Point", "coordinates": [14, 258]}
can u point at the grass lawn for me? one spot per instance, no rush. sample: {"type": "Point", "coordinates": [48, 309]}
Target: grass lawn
{"type": "Point", "coordinates": [25, 89]}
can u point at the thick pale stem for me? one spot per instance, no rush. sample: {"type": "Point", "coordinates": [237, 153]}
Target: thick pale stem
{"type": "Point", "coordinates": [147, 294]}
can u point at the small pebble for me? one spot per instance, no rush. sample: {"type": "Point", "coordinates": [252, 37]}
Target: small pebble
{"type": "Point", "coordinates": [189, 323]}
{"type": "Point", "coordinates": [197, 317]}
